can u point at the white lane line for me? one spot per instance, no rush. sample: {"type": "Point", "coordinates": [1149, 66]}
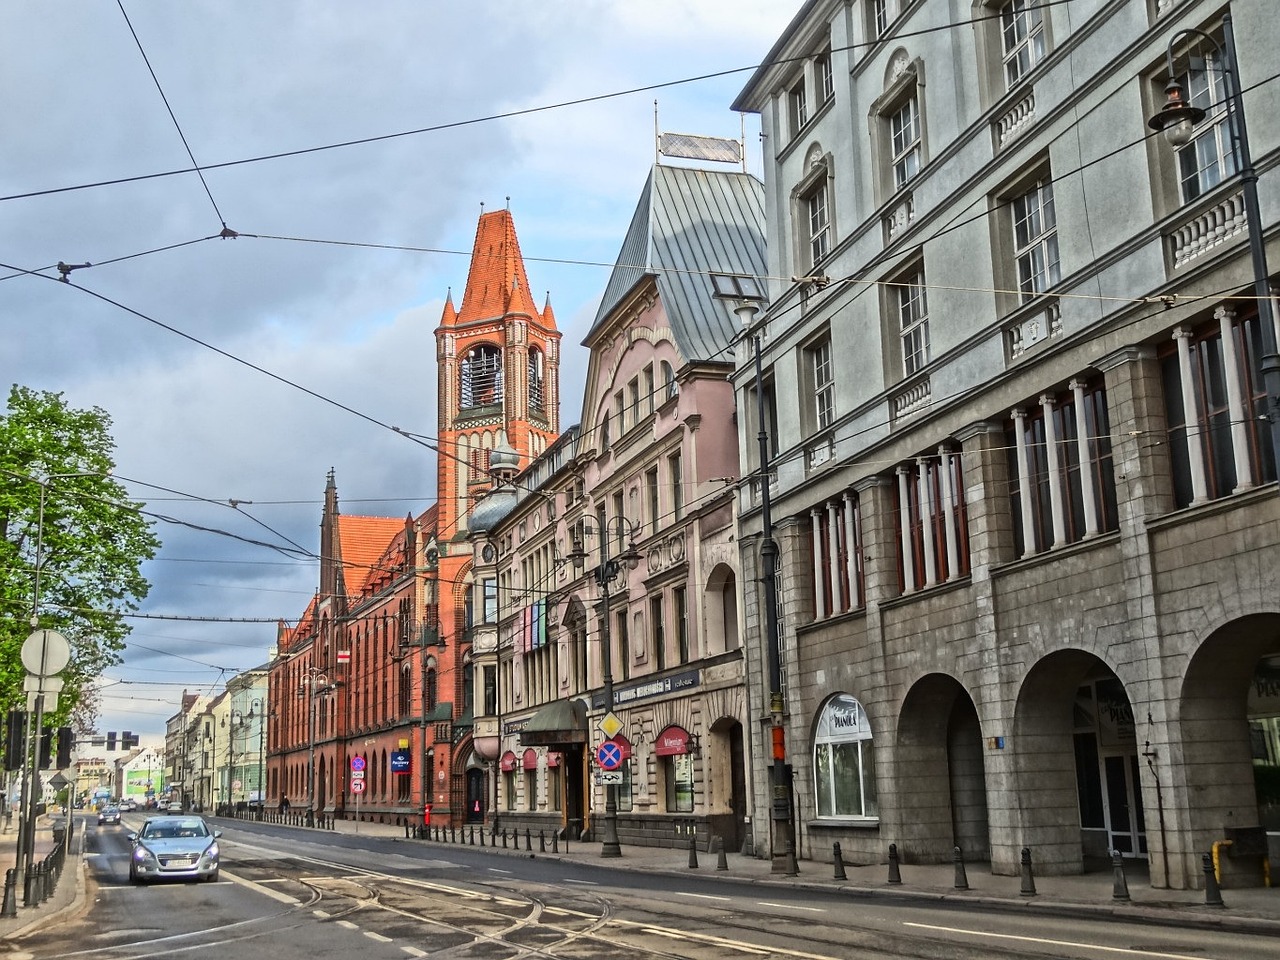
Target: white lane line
{"type": "Point", "coordinates": [414, 951]}
{"type": "Point", "coordinates": [348, 924]}
{"type": "Point", "coordinates": [496, 870]}
{"type": "Point", "coordinates": [585, 883]}
{"type": "Point", "coordinates": [265, 891]}
{"type": "Point", "coordinates": [377, 936]}
{"type": "Point", "coordinates": [1055, 943]}
{"type": "Point", "coordinates": [701, 896]}
{"type": "Point", "coordinates": [322, 914]}
{"type": "Point", "coordinates": [676, 935]}
{"type": "Point", "coordinates": [789, 906]}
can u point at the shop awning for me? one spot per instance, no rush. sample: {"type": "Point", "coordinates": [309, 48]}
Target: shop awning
{"type": "Point", "coordinates": [672, 741]}
{"type": "Point", "coordinates": [558, 723]}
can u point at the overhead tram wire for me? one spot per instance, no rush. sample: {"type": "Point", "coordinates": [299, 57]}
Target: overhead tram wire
{"type": "Point", "coordinates": [507, 115]}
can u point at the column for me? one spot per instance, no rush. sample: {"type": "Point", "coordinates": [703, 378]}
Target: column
{"type": "Point", "coordinates": [853, 549]}
{"type": "Point", "coordinates": [949, 511]}
{"type": "Point", "coordinates": [819, 593]}
{"type": "Point", "coordinates": [1084, 454]}
{"type": "Point", "coordinates": [1191, 417]}
{"type": "Point", "coordinates": [904, 533]}
{"type": "Point", "coordinates": [1236, 407]}
{"type": "Point", "coordinates": [924, 493]}
{"type": "Point", "coordinates": [1024, 482]}
{"type": "Point", "coordinates": [1055, 472]}
{"type": "Point", "coordinates": [833, 552]}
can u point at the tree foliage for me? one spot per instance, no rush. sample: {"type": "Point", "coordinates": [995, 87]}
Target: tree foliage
{"type": "Point", "coordinates": [58, 501]}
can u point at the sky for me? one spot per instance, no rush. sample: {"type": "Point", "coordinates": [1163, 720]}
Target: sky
{"type": "Point", "coordinates": [186, 339]}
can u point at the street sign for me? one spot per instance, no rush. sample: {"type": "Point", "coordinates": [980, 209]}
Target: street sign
{"type": "Point", "coordinates": [610, 725]}
{"type": "Point", "coordinates": [45, 653]}
{"type": "Point", "coordinates": [357, 786]}
{"type": "Point", "coordinates": [609, 755]}
{"type": "Point", "coordinates": [357, 774]}
{"type": "Point", "coordinates": [357, 763]}
{"type": "Point", "coordinates": [607, 777]}
{"type": "Point", "coordinates": [58, 781]}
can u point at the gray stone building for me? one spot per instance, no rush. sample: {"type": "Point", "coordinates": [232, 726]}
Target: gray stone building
{"type": "Point", "coordinates": [1021, 474]}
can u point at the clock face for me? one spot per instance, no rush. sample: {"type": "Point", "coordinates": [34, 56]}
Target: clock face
{"type": "Point", "coordinates": [488, 553]}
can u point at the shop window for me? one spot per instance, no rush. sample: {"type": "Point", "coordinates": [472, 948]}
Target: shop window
{"type": "Point", "coordinates": [844, 761]}
{"type": "Point", "coordinates": [678, 775]}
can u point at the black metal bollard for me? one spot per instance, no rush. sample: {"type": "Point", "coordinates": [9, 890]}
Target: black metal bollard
{"type": "Point", "coordinates": [542, 842]}
{"type": "Point", "coordinates": [10, 905]}
{"type": "Point", "coordinates": [471, 836]}
{"type": "Point", "coordinates": [895, 872]}
{"type": "Point", "coordinates": [962, 878]}
{"type": "Point", "coordinates": [1212, 892]}
{"type": "Point", "coordinates": [722, 860]}
{"type": "Point", "coordinates": [792, 864]}
{"type": "Point", "coordinates": [555, 841]}
{"type": "Point", "coordinates": [504, 838]}
{"type": "Point", "coordinates": [482, 836]}
{"type": "Point", "coordinates": [29, 886]}
{"type": "Point", "coordinates": [693, 852]}
{"type": "Point", "coordinates": [528, 840]}
{"type": "Point", "coordinates": [837, 863]}
{"type": "Point", "coordinates": [1028, 879]}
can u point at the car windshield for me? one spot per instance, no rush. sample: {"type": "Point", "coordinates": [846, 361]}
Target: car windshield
{"type": "Point", "coordinates": [171, 830]}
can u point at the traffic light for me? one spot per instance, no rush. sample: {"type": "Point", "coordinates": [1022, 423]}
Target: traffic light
{"type": "Point", "coordinates": [15, 724]}
{"type": "Point", "coordinates": [111, 739]}
{"type": "Point", "coordinates": [46, 749]}
{"type": "Point", "coordinates": [66, 740]}
{"type": "Point", "coordinates": [128, 740]}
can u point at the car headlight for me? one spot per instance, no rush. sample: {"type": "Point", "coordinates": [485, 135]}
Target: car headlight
{"type": "Point", "coordinates": [212, 851]}
{"type": "Point", "coordinates": [142, 854]}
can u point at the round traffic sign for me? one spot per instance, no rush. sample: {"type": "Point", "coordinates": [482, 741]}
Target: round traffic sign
{"type": "Point", "coordinates": [609, 755]}
{"type": "Point", "coordinates": [45, 653]}
{"type": "Point", "coordinates": [357, 763]}
{"type": "Point", "coordinates": [357, 786]}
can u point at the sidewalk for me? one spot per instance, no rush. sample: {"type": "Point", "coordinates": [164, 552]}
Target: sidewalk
{"type": "Point", "coordinates": [1255, 909]}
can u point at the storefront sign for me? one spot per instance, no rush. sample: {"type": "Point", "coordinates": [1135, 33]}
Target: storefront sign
{"type": "Point", "coordinates": [672, 741]}
{"type": "Point", "coordinates": [653, 688]}
{"type": "Point", "coordinates": [400, 761]}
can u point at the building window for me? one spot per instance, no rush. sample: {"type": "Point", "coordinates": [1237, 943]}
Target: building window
{"type": "Point", "coordinates": [648, 390]}
{"type": "Point", "coordinates": [675, 471]}
{"type": "Point", "coordinates": [913, 322]}
{"type": "Point", "coordinates": [797, 107]}
{"type": "Point", "coordinates": [1022, 32]}
{"type": "Point", "coordinates": [933, 534]}
{"type": "Point", "coordinates": [1216, 408]}
{"type": "Point", "coordinates": [490, 587]}
{"type": "Point", "coordinates": [835, 550]}
{"type": "Point", "coordinates": [844, 761]}
{"type": "Point", "coordinates": [659, 633]}
{"type": "Point", "coordinates": [770, 421]}
{"type": "Point", "coordinates": [623, 791]}
{"type": "Point", "coordinates": [904, 141]}
{"type": "Point", "coordinates": [651, 495]}
{"type": "Point", "coordinates": [536, 380]}
{"type": "Point", "coordinates": [678, 774]}
{"type": "Point", "coordinates": [670, 389]}
{"type": "Point", "coordinates": [432, 692]}
{"type": "Point", "coordinates": [490, 680]}
{"type": "Point", "coordinates": [1209, 158]}
{"type": "Point", "coordinates": [878, 16]}
{"type": "Point", "coordinates": [680, 601]}
{"type": "Point", "coordinates": [604, 434]}
{"type": "Point", "coordinates": [818, 218]}
{"type": "Point", "coordinates": [1035, 238]}
{"type": "Point", "coordinates": [553, 788]}
{"type": "Point", "coordinates": [1062, 486]}
{"type": "Point", "coordinates": [622, 645]}
{"type": "Point", "coordinates": [531, 789]}
{"type": "Point", "coordinates": [823, 76]}
{"type": "Point", "coordinates": [633, 399]}
{"type": "Point", "coordinates": [822, 382]}
{"type": "Point", "coordinates": [482, 379]}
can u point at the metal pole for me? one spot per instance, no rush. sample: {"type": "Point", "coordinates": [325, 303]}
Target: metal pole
{"type": "Point", "coordinates": [1270, 360]}
{"type": "Point", "coordinates": [311, 757]}
{"type": "Point", "coordinates": [610, 847]}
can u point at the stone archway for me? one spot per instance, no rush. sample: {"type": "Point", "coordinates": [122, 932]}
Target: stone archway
{"type": "Point", "coordinates": [941, 778]}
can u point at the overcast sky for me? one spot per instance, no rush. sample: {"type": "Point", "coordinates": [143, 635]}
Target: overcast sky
{"type": "Point", "coordinates": [355, 325]}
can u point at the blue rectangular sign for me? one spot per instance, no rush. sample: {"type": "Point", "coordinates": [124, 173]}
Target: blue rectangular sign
{"type": "Point", "coordinates": [400, 761]}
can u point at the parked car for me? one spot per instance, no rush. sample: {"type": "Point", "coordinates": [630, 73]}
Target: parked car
{"type": "Point", "coordinates": [174, 807]}
{"type": "Point", "coordinates": [181, 848]}
{"type": "Point", "coordinates": [128, 805]}
{"type": "Point", "coordinates": [109, 815]}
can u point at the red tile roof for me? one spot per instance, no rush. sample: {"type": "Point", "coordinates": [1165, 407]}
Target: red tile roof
{"type": "Point", "coordinates": [496, 283]}
{"type": "Point", "coordinates": [361, 542]}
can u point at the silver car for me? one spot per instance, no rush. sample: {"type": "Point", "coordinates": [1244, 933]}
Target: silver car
{"type": "Point", "coordinates": [184, 848]}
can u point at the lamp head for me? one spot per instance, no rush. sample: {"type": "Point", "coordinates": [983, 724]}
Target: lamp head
{"type": "Point", "coordinates": [1178, 117]}
{"type": "Point", "coordinates": [578, 555]}
{"type": "Point", "coordinates": [630, 558]}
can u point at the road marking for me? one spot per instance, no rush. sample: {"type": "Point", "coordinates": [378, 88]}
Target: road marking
{"type": "Point", "coordinates": [701, 896]}
{"type": "Point", "coordinates": [675, 935]}
{"type": "Point", "coordinates": [707, 938]}
{"type": "Point", "coordinates": [789, 906]}
{"type": "Point", "coordinates": [377, 936]}
{"type": "Point", "coordinates": [265, 891]}
{"type": "Point", "coordinates": [496, 870]}
{"type": "Point", "coordinates": [414, 951]}
{"type": "Point", "coordinates": [348, 924]}
{"type": "Point", "coordinates": [585, 883]}
{"type": "Point", "coordinates": [322, 914]}
{"type": "Point", "coordinates": [1055, 943]}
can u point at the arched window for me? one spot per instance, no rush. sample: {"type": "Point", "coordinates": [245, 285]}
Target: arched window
{"type": "Point", "coordinates": [482, 379]}
{"type": "Point", "coordinates": [432, 689]}
{"type": "Point", "coordinates": [844, 761]}
{"type": "Point", "coordinates": [406, 686]}
{"type": "Point", "coordinates": [670, 389]}
{"type": "Point", "coordinates": [537, 376]}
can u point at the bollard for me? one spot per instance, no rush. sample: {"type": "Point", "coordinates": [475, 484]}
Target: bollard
{"type": "Point", "coordinates": [722, 861]}
{"type": "Point", "coordinates": [693, 852]}
{"type": "Point", "coordinates": [542, 842]}
{"type": "Point", "coordinates": [962, 878]}
{"type": "Point", "coordinates": [482, 836]}
{"type": "Point", "coordinates": [29, 886]}
{"type": "Point", "coordinates": [1119, 884]}
{"type": "Point", "coordinates": [792, 864]}
{"type": "Point", "coordinates": [555, 841]}
{"type": "Point", "coordinates": [10, 906]}
{"type": "Point", "coordinates": [1028, 880]}
{"type": "Point", "coordinates": [453, 833]}
{"type": "Point", "coordinates": [895, 873]}
{"type": "Point", "coordinates": [528, 840]}
{"type": "Point", "coordinates": [406, 829]}
{"type": "Point", "coordinates": [837, 862]}
{"type": "Point", "coordinates": [1212, 893]}
{"type": "Point", "coordinates": [504, 838]}
{"type": "Point", "coordinates": [471, 837]}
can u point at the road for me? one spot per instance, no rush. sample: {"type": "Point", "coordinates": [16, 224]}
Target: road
{"type": "Point", "coordinates": [289, 894]}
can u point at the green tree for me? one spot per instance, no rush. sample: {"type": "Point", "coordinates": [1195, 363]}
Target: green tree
{"type": "Point", "coordinates": [57, 497]}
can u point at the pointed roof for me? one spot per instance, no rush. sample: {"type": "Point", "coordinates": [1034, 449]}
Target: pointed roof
{"type": "Point", "coordinates": [689, 224]}
{"type": "Point", "coordinates": [496, 283]}
{"type": "Point", "coordinates": [363, 540]}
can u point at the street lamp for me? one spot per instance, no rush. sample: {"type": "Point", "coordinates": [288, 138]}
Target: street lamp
{"type": "Point", "coordinates": [315, 682]}
{"type": "Point", "coordinates": [605, 574]}
{"type": "Point", "coordinates": [781, 807]}
{"type": "Point", "coordinates": [1178, 118]}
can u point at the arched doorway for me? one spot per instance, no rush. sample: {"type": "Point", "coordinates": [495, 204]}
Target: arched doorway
{"type": "Point", "coordinates": [475, 795]}
{"type": "Point", "coordinates": [942, 793]}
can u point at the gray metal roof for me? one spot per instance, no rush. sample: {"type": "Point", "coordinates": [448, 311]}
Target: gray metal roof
{"type": "Point", "coordinates": [689, 224]}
